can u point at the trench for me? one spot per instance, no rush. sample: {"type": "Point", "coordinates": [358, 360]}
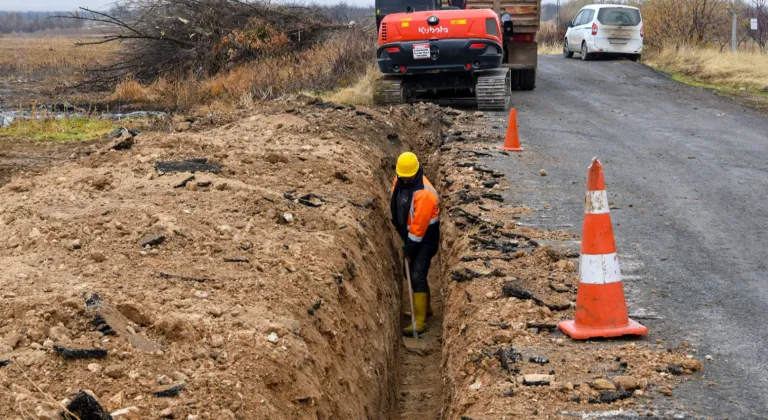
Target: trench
{"type": "Point", "coordinates": [420, 391]}
{"type": "Point", "coordinates": [420, 384]}
{"type": "Point", "coordinates": [340, 352]}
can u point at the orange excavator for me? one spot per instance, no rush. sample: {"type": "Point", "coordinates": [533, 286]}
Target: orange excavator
{"type": "Point", "coordinates": [433, 53]}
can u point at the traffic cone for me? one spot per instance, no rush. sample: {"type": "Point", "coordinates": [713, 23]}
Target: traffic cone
{"type": "Point", "coordinates": [600, 307]}
{"type": "Point", "coordinates": [512, 140]}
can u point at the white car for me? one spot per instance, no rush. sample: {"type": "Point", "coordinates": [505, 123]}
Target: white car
{"type": "Point", "coordinates": [607, 29]}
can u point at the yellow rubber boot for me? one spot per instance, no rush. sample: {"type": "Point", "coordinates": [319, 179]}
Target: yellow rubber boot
{"type": "Point", "coordinates": [420, 304]}
{"type": "Point", "coordinates": [407, 314]}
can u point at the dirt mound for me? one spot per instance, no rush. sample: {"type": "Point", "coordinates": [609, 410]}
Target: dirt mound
{"type": "Point", "coordinates": [263, 291]}
{"type": "Point", "coordinates": [507, 288]}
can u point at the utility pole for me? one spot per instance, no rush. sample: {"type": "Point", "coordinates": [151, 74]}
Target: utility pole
{"type": "Point", "coordinates": [734, 44]}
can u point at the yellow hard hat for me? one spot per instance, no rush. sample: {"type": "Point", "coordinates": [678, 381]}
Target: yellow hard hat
{"type": "Point", "coordinates": [407, 165]}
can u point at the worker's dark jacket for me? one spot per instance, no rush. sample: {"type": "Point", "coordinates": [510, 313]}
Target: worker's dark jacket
{"type": "Point", "coordinates": [415, 211]}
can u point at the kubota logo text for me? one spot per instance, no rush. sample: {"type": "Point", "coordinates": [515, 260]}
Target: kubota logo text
{"type": "Point", "coordinates": [433, 30]}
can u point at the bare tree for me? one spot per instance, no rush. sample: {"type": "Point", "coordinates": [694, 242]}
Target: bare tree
{"type": "Point", "coordinates": [684, 22]}
{"type": "Point", "coordinates": [758, 10]}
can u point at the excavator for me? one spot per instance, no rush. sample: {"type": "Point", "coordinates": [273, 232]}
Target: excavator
{"type": "Point", "coordinates": [430, 52]}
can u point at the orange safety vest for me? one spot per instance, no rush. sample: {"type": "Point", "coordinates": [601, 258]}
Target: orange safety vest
{"type": "Point", "coordinates": [424, 211]}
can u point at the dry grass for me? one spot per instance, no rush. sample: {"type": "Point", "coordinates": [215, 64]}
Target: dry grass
{"type": "Point", "coordinates": [551, 48]}
{"type": "Point", "coordinates": [23, 55]}
{"type": "Point", "coordinates": [131, 91]}
{"type": "Point", "coordinates": [550, 38]}
{"type": "Point", "coordinates": [361, 93]}
{"type": "Point", "coordinates": [717, 69]}
{"type": "Point", "coordinates": [338, 62]}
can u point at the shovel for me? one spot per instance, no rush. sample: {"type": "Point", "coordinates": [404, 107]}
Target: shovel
{"type": "Point", "coordinates": [410, 296]}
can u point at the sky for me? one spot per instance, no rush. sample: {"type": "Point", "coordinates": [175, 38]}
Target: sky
{"type": "Point", "coordinates": [65, 5]}
{"type": "Point", "coordinates": [51, 5]}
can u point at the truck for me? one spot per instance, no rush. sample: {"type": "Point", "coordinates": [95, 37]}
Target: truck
{"type": "Point", "coordinates": [521, 46]}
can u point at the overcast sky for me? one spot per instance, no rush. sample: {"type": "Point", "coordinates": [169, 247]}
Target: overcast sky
{"type": "Point", "coordinates": [64, 5]}
{"type": "Point", "coordinates": [50, 5]}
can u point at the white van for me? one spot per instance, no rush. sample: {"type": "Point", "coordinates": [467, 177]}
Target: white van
{"type": "Point", "coordinates": [609, 29]}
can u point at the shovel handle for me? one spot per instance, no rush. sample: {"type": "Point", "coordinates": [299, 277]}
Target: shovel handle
{"type": "Point", "coordinates": [410, 296]}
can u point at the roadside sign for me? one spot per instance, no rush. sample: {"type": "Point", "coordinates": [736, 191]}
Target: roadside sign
{"type": "Point", "coordinates": [753, 24]}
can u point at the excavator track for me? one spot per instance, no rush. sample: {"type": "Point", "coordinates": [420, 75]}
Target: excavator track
{"type": "Point", "coordinates": [389, 90]}
{"type": "Point", "coordinates": [493, 90]}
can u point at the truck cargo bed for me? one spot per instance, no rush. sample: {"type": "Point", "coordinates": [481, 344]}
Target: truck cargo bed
{"type": "Point", "coordinates": [525, 13]}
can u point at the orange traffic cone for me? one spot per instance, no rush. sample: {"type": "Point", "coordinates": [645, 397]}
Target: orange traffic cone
{"type": "Point", "coordinates": [600, 307]}
{"type": "Point", "coordinates": [512, 140]}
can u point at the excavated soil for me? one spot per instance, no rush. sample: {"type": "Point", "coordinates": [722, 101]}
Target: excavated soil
{"type": "Point", "coordinates": [272, 288]}
{"type": "Point", "coordinates": [273, 292]}
{"type": "Point", "coordinates": [506, 288]}
{"type": "Point", "coordinates": [19, 156]}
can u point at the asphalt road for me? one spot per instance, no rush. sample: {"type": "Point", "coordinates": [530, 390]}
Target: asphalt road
{"type": "Point", "coordinates": [687, 172]}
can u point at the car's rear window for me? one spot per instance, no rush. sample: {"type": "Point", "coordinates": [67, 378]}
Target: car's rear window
{"type": "Point", "coordinates": [618, 16]}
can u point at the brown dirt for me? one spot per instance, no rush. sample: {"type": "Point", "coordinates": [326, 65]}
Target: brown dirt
{"type": "Point", "coordinates": [17, 156]}
{"type": "Point", "coordinates": [420, 390]}
{"type": "Point", "coordinates": [479, 320]}
{"type": "Point", "coordinates": [309, 326]}
{"type": "Point", "coordinates": [320, 288]}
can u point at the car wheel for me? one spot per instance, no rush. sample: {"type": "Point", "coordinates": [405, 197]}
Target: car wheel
{"type": "Point", "coordinates": [635, 57]}
{"type": "Point", "coordinates": [585, 55]}
{"type": "Point", "coordinates": [567, 53]}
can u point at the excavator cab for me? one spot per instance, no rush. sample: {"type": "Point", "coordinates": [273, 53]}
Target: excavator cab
{"type": "Point", "coordinates": [385, 7]}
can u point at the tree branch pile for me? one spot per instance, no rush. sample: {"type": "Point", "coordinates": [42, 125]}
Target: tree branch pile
{"type": "Point", "coordinates": [201, 38]}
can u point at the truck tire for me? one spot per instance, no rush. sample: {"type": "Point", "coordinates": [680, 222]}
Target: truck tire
{"type": "Point", "coordinates": [528, 79]}
{"type": "Point", "coordinates": [514, 84]}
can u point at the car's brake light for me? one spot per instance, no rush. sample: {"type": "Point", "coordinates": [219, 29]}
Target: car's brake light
{"type": "Point", "coordinates": [594, 29]}
{"type": "Point", "coordinates": [477, 46]}
{"type": "Point", "coordinates": [642, 31]}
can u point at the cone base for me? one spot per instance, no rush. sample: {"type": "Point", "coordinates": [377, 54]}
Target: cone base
{"type": "Point", "coordinates": [577, 332]}
{"type": "Point", "coordinates": [512, 149]}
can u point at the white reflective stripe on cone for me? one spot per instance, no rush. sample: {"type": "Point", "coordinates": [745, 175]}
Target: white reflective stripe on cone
{"type": "Point", "coordinates": [600, 269]}
{"type": "Point", "coordinates": [597, 202]}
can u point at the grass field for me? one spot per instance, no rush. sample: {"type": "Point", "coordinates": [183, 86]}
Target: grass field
{"type": "Point", "coordinates": [59, 130]}
{"type": "Point", "coordinates": [24, 55]}
{"type": "Point", "coordinates": [707, 66]}
{"type": "Point", "coordinates": [742, 76]}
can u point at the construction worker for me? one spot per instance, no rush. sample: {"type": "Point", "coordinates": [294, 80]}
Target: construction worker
{"type": "Point", "coordinates": [415, 209]}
